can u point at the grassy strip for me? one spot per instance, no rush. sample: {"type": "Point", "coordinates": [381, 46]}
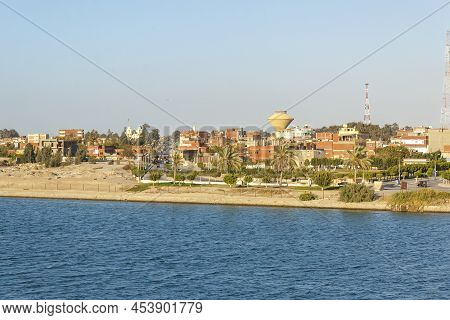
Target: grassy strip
{"type": "Point", "coordinates": [415, 201]}
{"type": "Point", "coordinates": [144, 186]}
{"type": "Point", "coordinates": [315, 188]}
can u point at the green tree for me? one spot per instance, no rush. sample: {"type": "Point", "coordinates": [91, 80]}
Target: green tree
{"type": "Point", "coordinates": [323, 179]}
{"type": "Point", "coordinates": [92, 137]}
{"type": "Point", "coordinates": [128, 151]}
{"type": "Point", "coordinates": [177, 160]}
{"type": "Point", "coordinates": [28, 154]}
{"type": "Point", "coordinates": [230, 179]}
{"type": "Point", "coordinates": [229, 159]}
{"type": "Point", "coordinates": [46, 156]}
{"type": "Point", "coordinates": [418, 174]}
{"type": "Point", "coordinates": [154, 137]}
{"type": "Point", "coordinates": [357, 160]}
{"type": "Point", "coordinates": [283, 160]}
{"type": "Point", "coordinates": [81, 153]}
{"type": "Point", "coordinates": [56, 159]}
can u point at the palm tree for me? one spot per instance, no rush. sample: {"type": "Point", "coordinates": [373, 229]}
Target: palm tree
{"type": "Point", "coordinates": [177, 159]}
{"type": "Point", "coordinates": [357, 160]}
{"type": "Point", "coordinates": [229, 159]}
{"type": "Point", "coordinates": [283, 160]}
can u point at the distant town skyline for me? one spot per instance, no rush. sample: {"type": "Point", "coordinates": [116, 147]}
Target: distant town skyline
{"type": "Point", "coordinates": [221, 64]}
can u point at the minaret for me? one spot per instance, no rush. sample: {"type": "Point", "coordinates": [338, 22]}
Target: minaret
{"type": "Point", "coordinates": [366, 105]}
{"type": "Point", "coordinates": [445, 112]}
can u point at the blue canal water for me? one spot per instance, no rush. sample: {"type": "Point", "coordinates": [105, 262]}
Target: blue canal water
{"type": "Point", "coordinates": [61, 249]}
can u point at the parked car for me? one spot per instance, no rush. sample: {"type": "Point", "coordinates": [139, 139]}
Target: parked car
{"type": "Point", "coordinates": [422, 184]}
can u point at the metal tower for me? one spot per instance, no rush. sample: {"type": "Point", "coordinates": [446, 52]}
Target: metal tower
{"type": "Point", "coordinates": [445, 110]}
{"type": "Point", "coordinates": [366, 105]}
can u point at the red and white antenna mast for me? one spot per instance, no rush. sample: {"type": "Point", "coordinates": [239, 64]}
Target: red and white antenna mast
{"type": "Point", "coordinates": [445, 112]}
{"type": "Point", "coordinates": [366, 105]}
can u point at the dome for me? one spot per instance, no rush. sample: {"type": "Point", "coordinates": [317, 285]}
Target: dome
{"type": "Point", "coordinates": [280, 120]}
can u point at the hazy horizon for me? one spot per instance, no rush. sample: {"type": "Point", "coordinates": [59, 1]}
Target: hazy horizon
{"type": "Point", "coordinates": [219, 64]}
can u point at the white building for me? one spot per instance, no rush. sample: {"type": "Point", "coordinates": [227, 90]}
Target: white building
{"type": "Point", "coordinates": [297, 132]}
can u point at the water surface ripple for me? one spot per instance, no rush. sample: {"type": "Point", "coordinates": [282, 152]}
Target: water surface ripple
{"type": "Point", "coordinates": [61, 249]}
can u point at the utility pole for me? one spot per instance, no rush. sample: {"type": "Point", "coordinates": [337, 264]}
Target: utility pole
{"type": "Point", "coordinates": [399, 170]}
{"type": "Point", "coordinates": [445, 112]}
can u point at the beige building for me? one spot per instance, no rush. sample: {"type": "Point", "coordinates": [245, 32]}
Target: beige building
{"type": "Point", "coordinates": [348, 134]}
{"type": "Point", "coordinates": [35, 138]}
{"type": "Point", "coordinates": [303, 155]}
{"type": "Point", "coordinates": [437, 139]}
{"type": "Point", "coordinates": [76, 134]}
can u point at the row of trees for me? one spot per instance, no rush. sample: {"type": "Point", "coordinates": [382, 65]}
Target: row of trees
{"type": "Point", "coordinates": [8, 133]}
{"type": "Point", "coordinates": [370, 131]}
{"type": "Point", "coordinates": [43, 156]}
{"type": "Point", "coordinates": [149, 136]}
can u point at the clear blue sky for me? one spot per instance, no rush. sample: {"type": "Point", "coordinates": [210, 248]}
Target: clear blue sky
{"type": "Point", "coordinates": [218, 62]}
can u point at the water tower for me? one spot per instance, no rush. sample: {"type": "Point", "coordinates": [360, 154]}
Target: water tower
{"type": "Point", "coordinates": [280, 120]}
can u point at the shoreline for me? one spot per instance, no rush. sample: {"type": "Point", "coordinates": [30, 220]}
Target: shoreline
{"type": "Point", "coordinates": [208, 199]}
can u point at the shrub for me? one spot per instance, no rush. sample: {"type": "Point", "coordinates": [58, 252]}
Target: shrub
{"type": "Point", "coordinates": [191, 176]}
{"type": "Point", "coordinates": [248, 179]}
{"type": "Point", "coordinates": [307, 196]}
{"type": "Point", "coordinates": [111, 162]}
{"type": "Point", "coordinates": [126, 167]}
{"type": "Point", "coordinates": [266, 179]}
{"type": "Point", "coordinates": [137, 172]}
{"type": "Point", "coordinates": [155, 175]}
{"type": "Point", "coordinates": [92, 160]}
{"type": "Point", "coordinates": [216, 174]}
{"type": "Point", "coordinates": [201, 165]}
{"type": "Point", "coordinates": [55, 160]}
{"type": "Point", "coordinates": [230, 179]}
{"type": "Point", "coordinates": [180, 177]}
{"type": "Point", "coordinates": [445, 175]}
{"type": "Point", "coordinates": [356, 193]}
{"type": "Point", "coordinates": [415, 201]}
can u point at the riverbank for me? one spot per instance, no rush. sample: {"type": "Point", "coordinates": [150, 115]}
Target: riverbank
{"type": "Point", "coordinates": [112, 182]}
{"type": "Point", "coordinates": [330, 202]}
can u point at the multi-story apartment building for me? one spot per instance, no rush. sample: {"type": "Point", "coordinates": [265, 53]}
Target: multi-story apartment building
{"type": "Point", "coordinates": [258, 154]}
{"type": "Point", "coordinates": [438, 139]}
{"type": "Point", "coordinates": [296, 133]}
{"type": "Point", "coordinates": [35, 138]}
{"type": "Point", "coordinates": [66, 147]}
{"type": "Point", "coordinates": [337, 145]}
{"type": "Point", "coordinates": [372, 146]}
{"type": "Point", "coordinates": [192, 143]}
{"type": "Point", "coordinates": [413, 139]}
{"type": "Point", "coordinates": [253, 138]}
{"type": "Point", "coordinates": [308, 154]}
{"type": "Point", "coordinates": [71, 134]}
{"type": "Point", "coordinates": [216, 139]}
{"type": "Point", "coordinates": [95, 151]}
